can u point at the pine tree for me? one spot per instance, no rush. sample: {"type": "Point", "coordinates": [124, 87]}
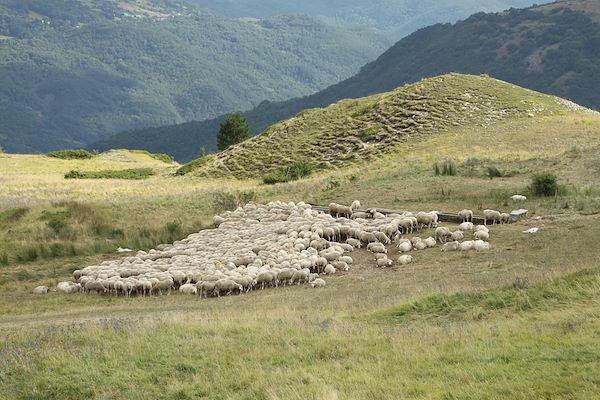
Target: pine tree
{"type": "Point", "coordinates": [234, 130]}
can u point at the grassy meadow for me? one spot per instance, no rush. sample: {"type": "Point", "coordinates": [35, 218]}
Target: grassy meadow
{"type": "Point", "coordinates": [519, 322]}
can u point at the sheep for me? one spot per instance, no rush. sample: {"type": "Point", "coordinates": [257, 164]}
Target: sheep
{"type": "Point", "coordinates": [188, 288]}
{"type": "Point", "coordinates": [382, 237]}
{"type": "Point", "coordinates": [354, 243]}
{"type": "Point", "coordinates": [466, 226]}
{"type": "Point", "coordinates": [424, 220]}
{"type": "Point", "coordinates": [442, 234]}
{"type": "Point", "coordinates": [492, 215]}
{"type": "Point", "coordinates": [404, 247]}
{"type": "Point", "coordinates": [466, 245]}
{"type": "Point", "coordinates": [360, 215]}
{"type": "Point", "coordinates": [384, 262]}
{"type": "Point", "coordinates": [341, 265]}
{"type": "Point", "coordinates": [430, 242]}
{"type": "Point", "coordinates": [329, 270]}
{"type": "Point", "coordinates": [40, 290]}
{"type": "Point", "coordinates": [457, 236]}
{"type": "Point", "coordinates": [300, 276]}
{"type": "Point", "coordinates": [355, 205]}
{"type": "Point", "coordinates": [466, 215]}
{"type": "Point", "coordinates": [68, 287]}
{"type": "Point", "coordinates": [505, 218]}
{"type": "Point", "coordinates": [95, 286]}
{"type": "Point", "coordinates": [228, 286]}
{"type": "Point", "coordinates": [450, 246]}
{"type": "Point", "coordinates": [163, 285]}
{"type": "Point", "coordinates": [318, 283]}
{"type": "Point", "coordinates": [482, 228]}
{"type": "Point", "coordinates": [480, 245]}
{"type": "Point", "coordinates": [265, 278]}
{"type": "Point", "coordinates": [518, 198]}
{"type": "Point", "coordinates": [285, 275]}
{"type": "Point", "coordinates": [481, 235]}
{"type": "Point", "coordinates": [420, 245]}
{"type": "Point", "coordinates": [205, 287]}
{"type": "Point", "coordinates": [376, 248]}
{"type": "Point", "coordinates": [405, 259]}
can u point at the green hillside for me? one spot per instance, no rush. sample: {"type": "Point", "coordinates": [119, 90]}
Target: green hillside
{"type": "Point", "coordinates": [551, 49]}
{"type": "Point", "coordinates": [75, 71]}
{"type": "Point", "coordinates": [352, 131]}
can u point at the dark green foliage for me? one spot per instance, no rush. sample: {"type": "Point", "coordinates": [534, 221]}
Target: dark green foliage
{"type": "Point", "coordinates": [233, 130]}
{"type": "Point", "coordinates": [544, 184]}
{"type": "Point", "coordinates": [493, 172]}
{"type": "Point", "coordinates": [4, 259]}
{"type": "Point", "coordinates": [13, 214]}
{"type": "Point", "coordinates": [132, 173]}
{"type": "Point", "coordinates": [298, 170]}
{"type": "Point", "coordinates": [70, 154]}
{"type": "Point", "coordinates": [112, 72]}
{"type": "Point", "coordinates": [192, 165]}
{"type": "Point", "coordinates": [567, 39]}
{"type": "Point", "coordinates": [228, 201]}
{"type": "Point", "coordinates": [446, 168]}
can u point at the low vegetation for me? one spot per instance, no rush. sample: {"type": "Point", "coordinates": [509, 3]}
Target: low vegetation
{"type": "Point", "coordinates": [298, 170]}
{"type": "Point", "coordinates": [132, 173]}
{"type": "Point", "coordinates": [70, 154]}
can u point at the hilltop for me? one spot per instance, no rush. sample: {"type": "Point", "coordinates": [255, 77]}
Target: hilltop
{"type": "Point", "coordinates": [551, 48]}
{"type": "Point", "coordinates": [122, 65]}
{"type": "Point", "coordinates": [354, 131]}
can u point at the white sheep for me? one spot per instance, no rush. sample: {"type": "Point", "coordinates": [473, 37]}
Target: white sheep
{"type": "Point", "coordinates": [188, 288]}
{"type": "Point", "coordinates": [442, 234]}
{"type": "Point", "coordinates": [68, 287]}
{"type": "Point", "coordinates": [466, 226]}
{"type": "Point", "coordinates": [384, 262]}
{"type": "Point", "coordinates": [457, 236]}
{"type": "Point", "coordinates": [430, 242]}
{"type": "Point", "coordinates": [481, 235]}
{"type": "Point", "coordinates": [405, 259]}
{"type": "Point", "coordinates": [329, 270]}
{"type": "Point", "coordinates": [492, 215]}
{"type": "Point", "coordinates": [404, 247]}
{"type": "Point", "coordinates": [450, 246]}
{"type": "Point", "coordinates": [518, 198]}
{"type": "Point", "coordinates": [318, 283]}
{"type": "Point", "coordinates": [480, 245]}
{"type": "Point", "coordinates": [354, 243]}
{"type": "Point", "coordinates": [420, 245]}
{"type": "Point", "coordinates": [505, 218]}
{"type": "Point", "coordinates": [376, 248]}
{"type": "Point", "coordinates": [466, 245]}
{"type": "Point", "coordinates": [40, 290]}
{"type": "Point", "coordinates": [466, 215]}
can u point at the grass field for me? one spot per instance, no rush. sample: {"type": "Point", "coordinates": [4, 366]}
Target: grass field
{"type": "Point", "coordinates": [519, 322]}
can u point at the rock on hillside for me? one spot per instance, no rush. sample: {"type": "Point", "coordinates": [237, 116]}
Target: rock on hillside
{"type": "Point", "coordinates": [351, 131]}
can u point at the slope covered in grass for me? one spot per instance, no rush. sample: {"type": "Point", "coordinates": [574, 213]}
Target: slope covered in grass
{"type": "Point", "coordinates": [353, 131]}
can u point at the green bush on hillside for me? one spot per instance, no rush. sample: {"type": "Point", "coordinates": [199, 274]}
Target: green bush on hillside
{"type": "Point", "coordinates": [133, 173]}
{"type": "Point", "coordinates": [446, 168]}
{"type": "Point", "coordinates": [544, 184]}
{"type": "Point", "coordinates": [78, 154]}
{"type": "Point", "coordinates": [298, 170]}
{"type": "Point", "coordinates": [192, 165]}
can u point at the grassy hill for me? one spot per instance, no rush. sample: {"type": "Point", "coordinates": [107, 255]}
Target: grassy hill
{"type": "Point", "coordinates": [450, 325]}
{"type": "Point", "coordinates": [549, 48]}
{"type": "Point", "coordinates": [356, 131]}
{"type": "Point", "coordinates": [124, 65]}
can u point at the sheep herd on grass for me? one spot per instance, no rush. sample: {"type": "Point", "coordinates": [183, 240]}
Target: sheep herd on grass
{"type": "Point", "coordinates": [277, 244]}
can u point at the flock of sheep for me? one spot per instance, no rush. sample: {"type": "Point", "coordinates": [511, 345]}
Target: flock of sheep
{"type": "Point", "coordinates": [272, 245]}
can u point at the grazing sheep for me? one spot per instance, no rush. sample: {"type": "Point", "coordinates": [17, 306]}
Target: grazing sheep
{"type": "Point", "coordinates": [329, 270]}
{"type": "Point", "coordinates": [318, 283]}
{"type": "Point", "coordinates": [205, 288]}
{"type": "Point", "coordinates": [301, 276]}
{"type": "Point", "coordinates": [480, 245]}
{"type": "Point", "coordinates": [405, 259]}
{"type": "Point", "coordinates": [518, 198]}
{"type": "Point", "coordinates": [482, 228]}
{"type": "Point", "coordinates": [450, 246]}
{"type": "Point", "coordinates": [430, 242]}
{"type": "Point", "coordinates": [442, 234]}
{"type": "Point", "coordinates": [492, 215]}
{"type": "Point", "coordinates": [227, 286]}
{"type": "Point", "coordinates": [384, 262]}
{"type": "Point", "coordinates": [424, 220]}
{"type": "Point", "coordinates": [267, 278]}
{"type": "Point", "coordinates": [382, 238]}
{"type": "Point", "coordinates": [466, 245]}
{"type": "Point", "coordinates": [162, 286]}
{"type": "Point", "coordinates": [481, 235]}
{"type": "Point", "coordinates": [505, 218]}
{"type": "Point", "coordinates": [68, 287]}
{"type": "Point", "coordinates": [354, 243]}
{"type": "Point", "coordinates": [376, 248]}
{"type": "Point", "coordinates": [457, 236]}
{"type": "Point", "coordinates": [360, 215]}
{"type": "Point", "coordinates": [404, 247]}
{"type": "Point", "coordinates": [420, 245]}
{"type": "Point", "coordinates": [40, 290]}
{"type": "Point", "coordinates": [95, 286]}
{"type": "Point", "coordinates": [466, 215]}
{"type": "Point", "coordinates": [355, 205]}
{"type": "Point", "coordinates": [466, 226]}
{"type": "Point", "coordinates": [188, 288]}
{"type": "Point", "coordinates": [341, 265]}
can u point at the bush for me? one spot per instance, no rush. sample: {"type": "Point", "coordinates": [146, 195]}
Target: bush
{"type": "Point", "coordinates": [493, 172]}
{"type": "Point", "coordinates": [544, 184]}
{"type": "Point", "coordinates": [298, 170]}
{"type": "Point", "coordinates": [227, 201]}
{"type": "Point", "coordinates": [192, 165]}
{"type": "Point", "coordinates": [70, 154]}
{"type": "Point", "coordinates": [447, 168]}
{"type": "Point", "coordinates": [133, 173]}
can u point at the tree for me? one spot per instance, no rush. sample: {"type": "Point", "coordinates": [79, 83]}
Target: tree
{"type": "Point", "coordinates": [234, 130]}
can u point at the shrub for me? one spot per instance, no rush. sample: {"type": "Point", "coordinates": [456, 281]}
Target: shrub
{"type": "Point", "coordinates": [192, 165]}
{"type": "Point", "coordinates": [446, 168]}
{"type": "Point", "coordinates": [298, 170]}
{"type": "Point", "coordinates": [493, 172]}
{"type": "Point", "coordinates": [133, 173]}
{"type": "Point", "coordinates": [227, 201]}
{"type": "Point", "coordinates": [70, 154]}
{"type": "Point", "coordinates": [13, 215]}
{"type": "Point", "coordinates": [544, 184]}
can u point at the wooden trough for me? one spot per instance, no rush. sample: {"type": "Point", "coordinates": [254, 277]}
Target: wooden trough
{"type": "Point", "coordinates": [442, 216]}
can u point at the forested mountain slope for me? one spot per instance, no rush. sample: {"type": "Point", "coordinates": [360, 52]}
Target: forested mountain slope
{"type": "Point", "coordinates": [75, 71]}
{"type": "Point", "coordinates": [552, 49]}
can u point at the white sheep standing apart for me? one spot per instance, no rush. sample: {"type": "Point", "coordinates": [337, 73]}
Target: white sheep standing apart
{"type": "Point", "coordinates": [40, 290]}
{"type": "Point", "coordinates": [518, 198]}
{"type": "Point", "coordinates": [318, 283]}
{"type": "Point", "coordinates": [450, 246]}
{"type": "Point", "coordinates": [466, 215]}
{"type": "Point", "coordinates": [405, 259]}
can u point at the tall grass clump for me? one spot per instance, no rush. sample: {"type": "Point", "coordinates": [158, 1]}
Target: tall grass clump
{"type": "Point", "coordinates": [193, 165]}
{"type": "Point", "coordinates": [132, 173]}
{"type": "Point", "coordinates": [544, 184]}
{"type": "Point", "coordinates": [227, 201]}
{"type": "Point", "coordinates": [78, 154]}
{"type": "Point", "coordinates": [298, 170]}
{"type": "Point", "coordinates": [446, 168]}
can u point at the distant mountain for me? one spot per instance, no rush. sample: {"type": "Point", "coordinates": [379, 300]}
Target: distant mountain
{"type": "Point", "coordinates": [552, 48]}
{"type": "Point", "coordinates": [395, 18]}
{"type": "Point", "coordinates": [354, 131]}
{"type": "Point", "coordinates": [75, 71]}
